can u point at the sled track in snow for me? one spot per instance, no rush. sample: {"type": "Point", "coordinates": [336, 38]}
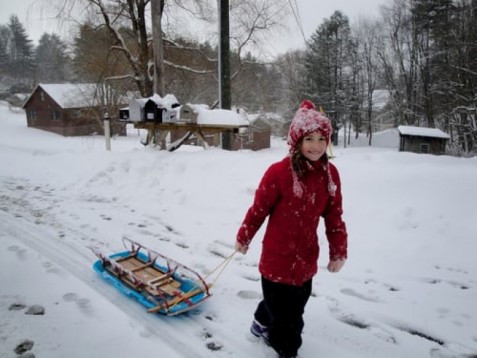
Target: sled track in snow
{"type": "Point", "coordinates": [76, 260]}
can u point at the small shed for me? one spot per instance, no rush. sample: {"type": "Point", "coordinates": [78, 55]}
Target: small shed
{"type": "Point", "coordinates": [255, 137]}
{"type": "Point", "coordinates": [422, 140]}
{"type": "Point", "coordinates": [67, 109]}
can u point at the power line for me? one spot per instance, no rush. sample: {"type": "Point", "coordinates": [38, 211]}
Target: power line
{"type": "Point", "coordinates": [296, 15]}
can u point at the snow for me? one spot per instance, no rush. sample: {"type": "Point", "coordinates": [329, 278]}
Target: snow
{"type": "Point", "coordinates": [408, 289]}
{"type": "Point", "coordinates": [219, 117]}
{"type": "Point", "coordinates": [380, 99]}
{"type": "Point", "coordinates": [164, 102]}
{"type": "Point", "coordinates": [423, 132]}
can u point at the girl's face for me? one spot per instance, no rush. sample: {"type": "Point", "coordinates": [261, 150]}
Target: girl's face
{"type": "Point", "coordinates": [313, 146]}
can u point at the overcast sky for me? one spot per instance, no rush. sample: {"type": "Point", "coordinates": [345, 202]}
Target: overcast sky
{"type": "Point", "coordinates": [37, 19]}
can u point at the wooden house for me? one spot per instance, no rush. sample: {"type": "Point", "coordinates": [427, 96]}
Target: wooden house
{"type": "Point", "coordinates": [422, 140]}
{"type": "Point", "coordinates": [66, 109]}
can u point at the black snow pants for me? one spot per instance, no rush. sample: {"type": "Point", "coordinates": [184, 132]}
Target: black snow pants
{"type": "Point", "coordinates": [281, 310]}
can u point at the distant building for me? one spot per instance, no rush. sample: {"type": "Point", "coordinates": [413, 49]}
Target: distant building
{"type": "Point", "coordinates": [255, 137]}
{"type": "Point", "coordinates": [66, 109]}
{"type": "Point", "coordinates": [422, 140]}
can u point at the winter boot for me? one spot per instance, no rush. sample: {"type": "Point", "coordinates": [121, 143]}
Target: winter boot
{"type": "Point", "coordinates": [259, 330]}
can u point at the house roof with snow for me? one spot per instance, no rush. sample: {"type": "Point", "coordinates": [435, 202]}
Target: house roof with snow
{"type": "Point", "coordinates": [422, 132]}
{"type": "Point", "coordinates": [69, 95]}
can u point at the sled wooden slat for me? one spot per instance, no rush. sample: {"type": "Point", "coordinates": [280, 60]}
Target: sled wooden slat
{"type": "Point", "coordinates": [157, 280]}
{"type": "Point", "coordinates": [174, 301]}
{"type": "Point", "coordinates": [146, 265]}
{"type": "Point", "coordinates": [143, 273]}
{"type": "Point", "coordinates": [169, 288]}
{"type": "Point", "coordinates": [125, 258]}
{"type": "Point", "coordinates": [130, 262]}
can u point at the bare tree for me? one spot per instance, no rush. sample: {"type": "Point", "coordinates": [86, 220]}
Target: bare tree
{"type": "Point", "coordinates": [157, 9]}
{"type": "Point", "coordinates": [398, 53]}
{"type": "Point", "coordinates": [366, 33]}
{"type": "Point", "coordinates": [130, 17]}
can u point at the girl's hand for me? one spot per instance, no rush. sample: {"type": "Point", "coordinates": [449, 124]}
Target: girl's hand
{"type": "Point", "coordinates": [241, 248]}
{"type": "Point", "coordinates": [336, 265]}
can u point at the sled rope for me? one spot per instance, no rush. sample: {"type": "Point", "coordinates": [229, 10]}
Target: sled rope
{"type": "Point", "coordinates": [194, 289]}
{"type": "Point", "coordinates": [221, 267]}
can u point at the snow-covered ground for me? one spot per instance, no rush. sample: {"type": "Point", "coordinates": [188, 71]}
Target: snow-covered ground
{"type": "Point", "coordinates": [409, 288]}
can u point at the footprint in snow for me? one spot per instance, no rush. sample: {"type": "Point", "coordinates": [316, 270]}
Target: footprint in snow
{"type": "Point", "coordinates": [353, 293]}
{"type": "Point", "coordinates": [16, 307]}
{"type": "Point", "coordinates": [464, 272]}
{"type": "Point", "coordinates": [420, 334]}
{"type": "Point", "coordinates": [376, 330]}
{"type": "Point", "coordinates": [209, 343]}
{"type": "Point", "coordinates": [24, 347]}
{"type": "Point", "coordinates": [435, 281]}
{"type": "Point", "coordinates": [251, 278]}
{"type": "Point", "coordinates": [182, 245]}
{"type": "Point", "coordinates": [21, 253]}
{"type": "Point", "coordinates": [50, 268]}
{"type": "Point", "coordinates": [70, 297]}
{"type": "Point", "coordinates": [217, 253]}
{"type": "Point", "coordinates": [387, 286]}
{"type": "Point", "coordinates": [249, 295]}
{"type": "Point", "coordinates": [83, 304]}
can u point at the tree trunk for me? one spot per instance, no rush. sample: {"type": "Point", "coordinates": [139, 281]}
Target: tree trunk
{"type": "Point", "coordinates": [158, 46]}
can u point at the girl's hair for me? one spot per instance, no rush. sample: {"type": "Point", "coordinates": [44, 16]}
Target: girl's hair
{"type": "Point", "coordinates": [298, 160]}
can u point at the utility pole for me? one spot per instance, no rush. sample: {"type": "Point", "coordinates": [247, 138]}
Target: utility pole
{"type": "Point", "coordinates": [225, 99]}
{"type": "Point", "coordinates": [225, 92]}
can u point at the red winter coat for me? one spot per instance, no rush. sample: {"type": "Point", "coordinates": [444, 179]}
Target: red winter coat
{"type": "Point", "coordinates": [290, 245]}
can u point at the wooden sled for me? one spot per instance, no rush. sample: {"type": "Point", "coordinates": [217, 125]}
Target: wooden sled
{"type": "Point", "coordinates": [161, 284]}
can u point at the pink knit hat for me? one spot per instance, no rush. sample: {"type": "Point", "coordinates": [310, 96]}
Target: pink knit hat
{"type": "Point", "coordinates": [308, 120]}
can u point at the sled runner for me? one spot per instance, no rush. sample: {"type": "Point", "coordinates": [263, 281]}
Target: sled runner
{"type": "Point", "coordinates": [156, 281]}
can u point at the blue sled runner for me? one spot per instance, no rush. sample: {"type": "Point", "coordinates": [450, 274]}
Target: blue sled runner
{"type": "Point", "coordinates": [161, 284]}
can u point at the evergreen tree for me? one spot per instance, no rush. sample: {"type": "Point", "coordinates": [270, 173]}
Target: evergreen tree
{"type": "Point", "coordinates": [4, 41]}
{"type": "Point", "coordinates": [51, 59]}
{"type": "Point", "coordinates": [327, 69]}
{"type": "Point", "coordinates": [20, 52]}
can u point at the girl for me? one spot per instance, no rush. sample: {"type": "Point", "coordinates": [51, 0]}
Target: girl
{"type": "Point", "coordinates": [293, 194]}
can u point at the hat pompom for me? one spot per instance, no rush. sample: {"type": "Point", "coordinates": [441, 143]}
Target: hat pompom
{"type": "Point", "coordinates": [307, 104]}
{"type": "Point", "coordinates": [308, 120]}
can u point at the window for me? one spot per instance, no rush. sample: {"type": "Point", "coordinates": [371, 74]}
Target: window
{"type": "Point", "coordinates": [55, 115]}
{"type": "Point", "coordinates": [424, 147]}
{"type": "Point", "coordinates": [32, 115]}
{"type": "Point", "coordinates": [42, 96]}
